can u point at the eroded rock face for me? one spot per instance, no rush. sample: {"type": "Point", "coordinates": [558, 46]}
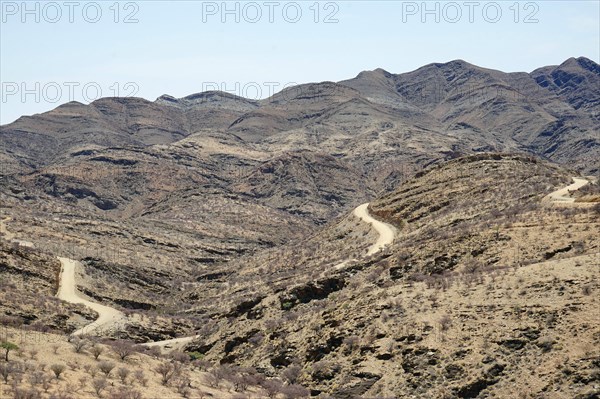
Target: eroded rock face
{"type": "Point", "coordinates": [311, 291]}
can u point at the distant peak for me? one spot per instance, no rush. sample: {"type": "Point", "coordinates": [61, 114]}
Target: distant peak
{"type": "Point", "coordinates": [215, 98]}
{"type": "Point", "coordinates": [454, 63]}
{"type": "Point", "coordinates": [379, 72]}
{"type": "Point", "coordinates": [71, 104]}
{"type": "Point", "coordinates": [166, 97]}
{"type": "Point", "coordinates": [213, 94]}
{"type": "Point", "coordinates": [582, 62]}
{"type": "Point", "coordinates": [383, 72]}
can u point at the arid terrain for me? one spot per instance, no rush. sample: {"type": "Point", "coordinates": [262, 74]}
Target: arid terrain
{"type": "Point", "coordinates": [431, 234]}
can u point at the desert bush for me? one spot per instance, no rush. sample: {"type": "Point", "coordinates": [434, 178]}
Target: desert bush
{"type": "Point", "coordinates": [79, 344]}
{"type": "Point", "coordinates": [217, 374]}
{"type": "Point", "coordinates": [180, 357]}
{"type": "Point", "coordinates": [123, 373]}
{"type": "Point", "coordinates": [91, 370]}
{"type": "Point", "coordinates": [295, 391]}
{"type": "Point", "coordinates": [73, 366]}
{"type": "Point", "coordinates": [124, 349]}
{"type": "Point", "coordinates": [292, 373]}
{"type": "Point", "coordinates": [32, 354]}
{"type": "Point", "coordinates": [6, 369]}
{"type": "Point", "coordinates": [202, 364]}
{"type": "Point", "coordinates": [11, 321]}
{"type": "Point", "coordinates": [36, 378]}
{"type": "Point", "coordinates": [445, 322]}
{"type": "Point", "coordinates": [58, 369]}
{"type": "Point", "coordinates": [140, 377]}
{"type": "Point", "coordinates": [324, 370]}
{"type": "Point", "coordinates": [99, 385]}
{"type": "Point", "coordinates": [96, 351]}
{"type": "Point", "coordinates": [153, 351]}
{"type": "Point", "coordinates": [167, 371]}
{"type": "Point", "coordinates": [24, 393]}
{"type": "Point", "coordinates": [46, 383]}
{"type": "Point", "coordinates": [183, 385]}
{"type": "Point", "coordinates": [241, 382]}
{"type": "Point", "coordinates": [545, 343]}
{"type": "Point", "coordinates": [586, 289]}
{"type": "Point", "coordinates": [272, 387]}
{"type": "Point", "coordinates": [256, 339]}
{"type": "Point", "coordinates": [125, 393]}
{"type": "Point", "coordinates": [212, 380]}
{"type": "Point", "coordinates": [106, 367]}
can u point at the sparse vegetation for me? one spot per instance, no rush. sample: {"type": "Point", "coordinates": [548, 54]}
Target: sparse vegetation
{"type": "Point", "coordinates": [7, 347]}
{"type": "Point", "coordinates": [58, 369]}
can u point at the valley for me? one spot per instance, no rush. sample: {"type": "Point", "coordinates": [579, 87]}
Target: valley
{"type": "Point", "coordinates": [429, 234]}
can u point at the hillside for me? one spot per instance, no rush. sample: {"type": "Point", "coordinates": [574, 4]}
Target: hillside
{"type": "Point", "coordinates": [429, 234]}
{"type": "Point", "coordinates": [416, 319]}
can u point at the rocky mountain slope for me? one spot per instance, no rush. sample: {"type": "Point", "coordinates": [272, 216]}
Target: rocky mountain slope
{"type": "Point", "coordinates": [232, 219]}
{"type": "Point", "coordinates": [483, 282]}
{"type": "Point", "coordinates": [552, 112]}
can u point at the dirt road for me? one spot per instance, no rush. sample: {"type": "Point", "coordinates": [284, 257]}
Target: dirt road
{"type": "Point", "coordinates": [109, 318]}
{"type": "Point", "coordinates": [561, 195]}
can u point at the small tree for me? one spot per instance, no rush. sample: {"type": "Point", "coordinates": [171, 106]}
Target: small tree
{"type": "Point", "coordinates": [183, 385]}
{"type": "Point", "coordinates": [167, 371]}
{"type": "Point", "coordinates": [124, 349]}
{"type": "Point", "coordinates": [8, 346]}
{"type": "Point", "coordinates": [58, 369]}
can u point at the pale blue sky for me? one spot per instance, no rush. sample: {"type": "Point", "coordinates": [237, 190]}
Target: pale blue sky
{"type": "Point", "coordinates": [180, 47]}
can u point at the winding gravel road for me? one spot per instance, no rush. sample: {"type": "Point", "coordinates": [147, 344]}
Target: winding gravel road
{"type": "Point", "coordinates": [561, 195]}
{"type": "Point", "coordinates": [386, 231]}
{"type": "Point", "coordinates": [110, 317]}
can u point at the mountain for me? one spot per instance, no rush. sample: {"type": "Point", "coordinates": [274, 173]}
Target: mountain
{"type": "Point", "coordinates": [391, 235]}
{"type": "Point", "coordinates": [551, 112]}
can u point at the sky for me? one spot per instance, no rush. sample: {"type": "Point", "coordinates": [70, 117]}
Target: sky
{"type": "Point", "coordinates": [55, 52]}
